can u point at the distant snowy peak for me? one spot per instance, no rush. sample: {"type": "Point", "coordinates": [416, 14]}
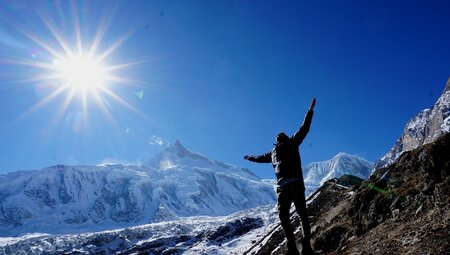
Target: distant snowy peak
{"type": "Point", "coordinates": [425, 127]}
{"type": "Point", "coordinates": [174, 154]}
{"type": "Point", "coordinates": [182, 183]}
{"type": "Point", "coordinates": [317, 173]}
{"type": "Point", "coordinates": [178, 149]}
{"type": "Point", "coordinates": [177, 156]}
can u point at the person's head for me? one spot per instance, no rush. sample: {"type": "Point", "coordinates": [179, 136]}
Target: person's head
{"type": "Point", "coordinates": [281, 138]}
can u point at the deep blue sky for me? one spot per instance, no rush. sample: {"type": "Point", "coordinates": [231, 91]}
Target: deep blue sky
{"type": "Point", "coordinates": [223, 77]}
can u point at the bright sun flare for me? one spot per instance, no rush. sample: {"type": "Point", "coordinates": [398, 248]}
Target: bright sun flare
{"type": "Point", "coordinates": [77, 70]}
{"type": "Point", "coordinates": [81, 72]}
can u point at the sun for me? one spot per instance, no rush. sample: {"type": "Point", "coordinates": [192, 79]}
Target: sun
{"type": "Point", "coordinates": [75, 71]}
{"type": "Point", "coordinates": [82, 73]}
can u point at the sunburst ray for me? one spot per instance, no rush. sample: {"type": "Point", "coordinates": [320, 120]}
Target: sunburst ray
{"type": "Point", "coordinates": [77, 69]}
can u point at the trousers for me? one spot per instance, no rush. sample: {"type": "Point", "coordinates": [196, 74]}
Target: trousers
{"type": "Point", "coordinates": [293, 192]}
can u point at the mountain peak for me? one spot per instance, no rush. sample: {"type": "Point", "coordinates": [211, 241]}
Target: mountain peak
{"type": "Point", "coordinates": [178, 144]}
{"type": "Point", "coordinates": [447, 85]}
{"type": "Point", "coordinates": [179, 148]}
{"type": "Point", "coordinates": [427, 126]}
{"type": "Point", "coordinates": [343, 154]}
{"type": "Point", "coordinates": [343, 163]}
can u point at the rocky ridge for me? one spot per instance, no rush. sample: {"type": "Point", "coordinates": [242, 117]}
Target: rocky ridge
{"type": "Point", "coordinates": [425, 127]}
{"type": "Point", "coordinates": [400, 209]}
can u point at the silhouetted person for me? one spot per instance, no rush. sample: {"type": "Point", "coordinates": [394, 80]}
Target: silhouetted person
{"type": "Point", "coordinates": [285, 158]}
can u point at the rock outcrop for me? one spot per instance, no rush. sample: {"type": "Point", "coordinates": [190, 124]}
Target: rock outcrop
{"type": "Point", "coordinates": [425, 127]}
{"type": "Point", "coordinates": [400, 209]}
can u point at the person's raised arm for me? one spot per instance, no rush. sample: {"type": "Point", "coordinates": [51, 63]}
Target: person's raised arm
{"type": "Point", "coordinates": [264, 158]}
{"type": "Point", "coordinates": [300, 135]}
{"type": "Point", "coordinates": [313, 103]}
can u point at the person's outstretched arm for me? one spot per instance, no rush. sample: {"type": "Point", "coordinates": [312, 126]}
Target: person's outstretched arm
{"type": "Point", "coordinates": [300, 135]}
{"type": "Point", "coordinates": [264, 158]}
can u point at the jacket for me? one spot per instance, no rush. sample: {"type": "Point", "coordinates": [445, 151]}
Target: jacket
{"type": "Point", "coordinates": [285, 156]}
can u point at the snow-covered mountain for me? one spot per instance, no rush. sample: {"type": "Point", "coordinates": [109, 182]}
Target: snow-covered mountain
{"type": "Point", "coordinates": [317, 173]}
{"type": "Point", "coordinates": [176, 183]}
{"type": "Point", "coordinates": [426, 127]}
{"type": "Point", "coordinates": [170, 190]}
{"type": "Point", "coordinates": [238, 233]}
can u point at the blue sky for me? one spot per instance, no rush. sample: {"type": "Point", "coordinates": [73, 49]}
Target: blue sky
{"type": "Point", "coordinates": [223, 77]}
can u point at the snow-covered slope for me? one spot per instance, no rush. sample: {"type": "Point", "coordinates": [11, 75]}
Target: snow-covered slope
{"type": "Point", "coordinates": [425, 127]}
{"type": "Point", "coordinates": [175, 183]}
{"type": "Point", "coordinates": [232, 234]}
{"type": "Point", "coordinates": [317, 173]}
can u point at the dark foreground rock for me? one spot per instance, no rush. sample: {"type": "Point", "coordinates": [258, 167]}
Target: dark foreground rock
{"type": "Point", "coordinates": [401, 209]}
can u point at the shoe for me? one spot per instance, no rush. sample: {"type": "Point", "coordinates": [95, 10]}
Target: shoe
{"type": "Point", "coordinates": [292, 249]}
{"type": "Point", "coordinates": [306, 247]}
{"type": "Point", "coordinates": [307, 250]}
{"type": "Point", "coordinates": [292, 252]}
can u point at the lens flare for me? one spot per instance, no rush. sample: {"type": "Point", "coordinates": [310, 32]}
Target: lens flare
{"type": "Point", "coordinates": [76, 68]}
{"type": "Point", "coordinates": [139, 94]}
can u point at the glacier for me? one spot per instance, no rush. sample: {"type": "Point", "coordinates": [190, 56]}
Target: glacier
{"type": "Point", "coordinates": [232, 234]}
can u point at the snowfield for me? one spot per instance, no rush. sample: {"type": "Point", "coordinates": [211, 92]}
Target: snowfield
{"type": "Point", "coordinates": [233, 234]}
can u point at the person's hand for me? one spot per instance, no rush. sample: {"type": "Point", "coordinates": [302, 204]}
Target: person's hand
{"type": "Point", "coordinates": [313, 103]}
{"type": "Point", "coordinates": [246, 157]}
